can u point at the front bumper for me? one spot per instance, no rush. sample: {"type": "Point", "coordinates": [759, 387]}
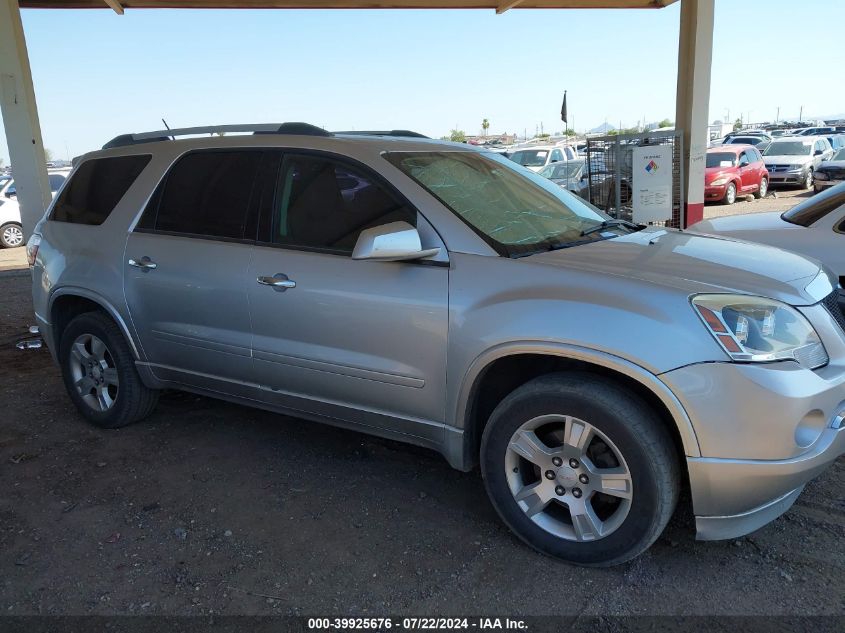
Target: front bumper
{"type": "Point", "coordinates": [714, 192]}
{"type": "Point", "coordinates": [763, 430]}
{"type": "Point", "coordinates": [823, 184]}
{"type": "Point", "coordinates": [792, 177]}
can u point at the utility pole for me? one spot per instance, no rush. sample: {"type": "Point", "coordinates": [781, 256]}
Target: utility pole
{"type": "Point", "coordinates": [777, 116]}
{"type": "Point", "coordinates": [801, 115]}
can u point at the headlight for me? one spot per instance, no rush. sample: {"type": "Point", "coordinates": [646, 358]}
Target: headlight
{"type": "Point", "coordinates": [719, 181]}
{"type": "Point", "coordinates": [820, 175]}
{"type": "Point", "coordinates": [796, 167]}
{"type": "Point", "coordinates": [758, 330]}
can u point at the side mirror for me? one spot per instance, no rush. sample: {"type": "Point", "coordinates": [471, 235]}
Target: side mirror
{"type": "Point", "coordinates": [818, 152]}
{"type": "Point", "coordinates": [12, 193]}
{"type": "Point", "coordinates": [393, 242]}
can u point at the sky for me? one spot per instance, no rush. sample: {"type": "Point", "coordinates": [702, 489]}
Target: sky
{"type": "Point", "coordinates": [98, 74]}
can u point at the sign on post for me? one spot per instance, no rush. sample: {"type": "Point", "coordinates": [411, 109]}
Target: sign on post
{"type": "Point", "coordinates": [652, 186]}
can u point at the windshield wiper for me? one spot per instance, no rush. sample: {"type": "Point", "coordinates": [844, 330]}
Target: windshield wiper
{"type": "Point", "coordinates": [607, 224]}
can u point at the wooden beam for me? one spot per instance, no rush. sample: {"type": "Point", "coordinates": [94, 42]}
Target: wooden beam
{"type": "Point", "coordinates": [114, 4]}
{"type": "Point", "coordinates": [507, 4]}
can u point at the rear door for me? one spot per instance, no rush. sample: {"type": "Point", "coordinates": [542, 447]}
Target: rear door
{"type": "Point", "coordinates": [362, 341]}
{"type": "Point", "coordinates": [747, 170]}
{"type": "Point", "coordinates": [185, 271]}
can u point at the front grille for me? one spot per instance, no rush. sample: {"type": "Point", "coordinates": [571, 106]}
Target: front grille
{"type": "Point", "coordinates": [773, 168]}
{"type": "Point", "coordinates": [831, 302]}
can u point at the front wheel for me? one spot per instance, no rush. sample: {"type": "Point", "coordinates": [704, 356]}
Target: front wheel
{"type": "Point", "coordinates": [762, 189]}
{"type": "Point", "coordinates": [580, 469]}
{"type": "Point", "coordinates": [11, 235]}
{"type": "Point", "coordinates": [730, 194]}
{"type": "Point", "coordinates": [808, 180]}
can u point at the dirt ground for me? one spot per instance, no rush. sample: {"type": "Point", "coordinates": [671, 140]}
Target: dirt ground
{"type": "Point", "coordinates": [780, 199]}
{"type": "Point", "coordinates": [208, 507]}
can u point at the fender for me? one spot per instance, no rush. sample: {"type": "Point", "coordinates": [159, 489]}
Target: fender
{"type": "Point", "coordinates": [588, 355]}
{"type": "Point", "coordinates": [104, 304]}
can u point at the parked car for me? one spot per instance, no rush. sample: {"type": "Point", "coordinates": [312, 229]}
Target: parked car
{"type": "Point", "coordinates": [535, 158]}
{"type": "Point", "coordinates": [817, 131]}
{"type": "Point", "coordinates": [758, 133]}
{"type": "Point", "coordinates": [830, 173]}
{"type": "Point", "coordinates": [760, 142]}
{"type": "Point", "coordinates": [11, 233]}
{"type": "Point", "coordinates": [837, 141]}
{"type": "Point", "coordinates": [814, 227]}
{"type": "Point", "coordinates": [791, 160]}
{"type": "Point", "coordinates": [571, 175]}
{"type": "Point", "coordinates": [441, 295]}
{"type": "Point", "coordinates": [734, 169]}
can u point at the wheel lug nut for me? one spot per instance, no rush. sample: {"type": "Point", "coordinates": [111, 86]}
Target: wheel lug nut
{"type": "Point", "coordinates": [576, 492]}
{"type": "Point", "coordinates": [557, 461]}
{"type": "Point", "coordinates": [560, 491]}
{"type": "Point", "coordinates": [584, 479]}
{"type": "Point", "coordinates": [550, 474]}
{"type": "Point", "coordinates": [573, 463]}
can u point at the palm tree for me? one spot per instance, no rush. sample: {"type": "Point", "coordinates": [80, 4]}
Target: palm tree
{"type": "Point", "coordinates": [485, 125]}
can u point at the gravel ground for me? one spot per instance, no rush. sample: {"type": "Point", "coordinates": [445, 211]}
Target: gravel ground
{"type": "Point", "coordinates": [208, 507]}
{"type": "Point", "coordinates": [787, 197]}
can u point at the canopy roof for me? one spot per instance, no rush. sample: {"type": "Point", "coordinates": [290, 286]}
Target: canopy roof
{"type": "Point", "coordinates": [499, 6]}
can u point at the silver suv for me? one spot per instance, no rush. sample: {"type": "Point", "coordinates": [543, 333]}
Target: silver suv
{"type": "Point", "coordinates": [444, 296]}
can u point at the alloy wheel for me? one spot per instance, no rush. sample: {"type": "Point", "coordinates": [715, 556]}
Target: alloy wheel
{"type": "Point", "coordinates": [568, 477]}
{"type": "Point", "coordinates": [730, 196]}
{"type": "Point", "coordinates": [12, 235]}
{"type": "Point", "coordinates": [764, 187]}
{"type": "Point", "coordinates": [94, 372]}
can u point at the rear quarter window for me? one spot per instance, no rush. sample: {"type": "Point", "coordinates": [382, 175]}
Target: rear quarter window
{"type": "Point", "coordinates": [96, 187]}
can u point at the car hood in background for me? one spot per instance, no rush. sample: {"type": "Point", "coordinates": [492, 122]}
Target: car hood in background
{"type": "Point", "coordinates": [787, 159]}
{"type": "Point", "coordinates": [696, 263]}
{"type": "Point", "coordinates": [744, 222]}
{"type": "Point", "coordinates": [712, 173]}
{"type": "Point", "coordinates": [831, 165]}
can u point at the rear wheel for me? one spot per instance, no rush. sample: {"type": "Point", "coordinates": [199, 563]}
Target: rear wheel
{"type": "Point", "coordinates": [762, 189]}
{"type": "Point", "coordinates": [11, 235]}
{"type": "Point", "coordinates": [730, 194]}
{"type": "Point", "coordinates": [580, 469]}
{"type": "Point", "coordinates": [99, 373]}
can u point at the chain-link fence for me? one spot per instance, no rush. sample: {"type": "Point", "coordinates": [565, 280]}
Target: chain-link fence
{"type": "Point", "coordinates": [610, 172]}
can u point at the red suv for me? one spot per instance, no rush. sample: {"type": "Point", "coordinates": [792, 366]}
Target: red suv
{"type": "Point", "coordinates": [732, 170]}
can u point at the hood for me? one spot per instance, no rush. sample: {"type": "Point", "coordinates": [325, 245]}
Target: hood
{"type": "Point", "coordinates": [744, 222]}
{"type": "Point", "coordinates": [712, 173]}
{"type": "Point", "coordinates": [697, 263]}
{"type": "Point", "coordinates": [787, 159]}
{"type": "Point", "coordinates": [834, 165]}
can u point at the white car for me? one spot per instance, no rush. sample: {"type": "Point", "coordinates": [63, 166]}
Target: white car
{"type": "Point", "coordinates": [11, 234]}
{"type": "Point", "coordinates": [537, 157]}
{"type": "Point", "coordinates": [815, 227]}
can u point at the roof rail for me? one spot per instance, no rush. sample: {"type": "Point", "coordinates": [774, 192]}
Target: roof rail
{"type": "Point", "coordinates": [405, 133]}
{"type": "Point", "coordinates": [302, 129]}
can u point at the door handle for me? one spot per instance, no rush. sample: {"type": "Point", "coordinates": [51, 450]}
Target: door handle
{"type": "Point", "coordinates": [279, 282]}
{"type": "Point", "coordinates": [145, 263]}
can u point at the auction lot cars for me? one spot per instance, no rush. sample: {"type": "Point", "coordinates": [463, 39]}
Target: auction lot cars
{"type": "Point", "coordinates": [791, 160]}
{"type": "Point", "coordinates": [593, 365]}
{"type": "Point", "coordinates": [11, 234]}
{"type": "Point", "coordinates": [734, 169]}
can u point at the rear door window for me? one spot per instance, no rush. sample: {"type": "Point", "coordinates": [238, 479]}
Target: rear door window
{"type": "Point", "coordinates": [96, 187]}
{"type": "Point", "coordinates": [205, 194]}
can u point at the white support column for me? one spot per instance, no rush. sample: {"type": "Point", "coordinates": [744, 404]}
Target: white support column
{"type": "Point", "coordinates": [20, 118]}
{"type": "Point", "coordinates": [692, 105]}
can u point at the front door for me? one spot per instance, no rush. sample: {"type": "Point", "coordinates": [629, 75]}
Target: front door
{"type": "Point", "coordinates": [186, 271]}
{"type": "Point", "coordinates": [363, 341]}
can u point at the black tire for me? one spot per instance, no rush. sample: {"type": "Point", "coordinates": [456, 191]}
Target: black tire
{"type": "Point", "coordinates": [730, 194]}
{"type": "Point", "coordinates": [134, 400]}
{"type": "Point", "coordinates": [629, 423]}
{"type": "Point", "coordinates": [10, 233]}
{"type": "Point", "coordinates": [762, 188]}
{"type": "Point", "coordinates": [808, 180]}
